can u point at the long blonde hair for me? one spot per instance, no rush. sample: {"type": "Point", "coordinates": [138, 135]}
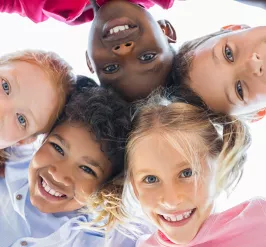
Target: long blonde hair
{"type": "Point", "coordinates": [221, 136]}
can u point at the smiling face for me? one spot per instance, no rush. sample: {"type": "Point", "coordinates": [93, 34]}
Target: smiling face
{"type": "Point", "coordinates": [174, 195]}
{"type": "Point", "coordinates": [128, 49]}
{"type": "Point", "coordinates": [68, 168]}
{"type": "Point", "coordinates": [27, 101]}
{"type": "Point", "coordinates": [228, 71]}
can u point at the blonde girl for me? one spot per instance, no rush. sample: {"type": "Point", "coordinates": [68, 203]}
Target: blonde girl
{"type": "Point", "coordinates": [180, 158]}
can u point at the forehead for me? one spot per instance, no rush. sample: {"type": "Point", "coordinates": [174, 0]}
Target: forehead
{"type": "Point", "coordinates": [170, 148]}
{"type": "Point", "coordinates": [33, 91]}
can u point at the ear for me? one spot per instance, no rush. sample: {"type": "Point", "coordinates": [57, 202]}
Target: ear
{"type": "Point", "coordinates": [89, 62]}
{"type": "Point", "coordinates": [168, 30]}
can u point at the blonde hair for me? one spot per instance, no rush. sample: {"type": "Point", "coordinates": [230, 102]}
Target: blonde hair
{"type": "Point", "coordinates": [57, 69]}
{"type": "Point", "coordinates": [222, 137]}
{"type": "Point", "coordinates": [218, 136]}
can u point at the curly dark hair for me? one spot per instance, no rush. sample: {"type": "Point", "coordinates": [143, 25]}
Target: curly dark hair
{"type": "Point", "coordinates": [103, 113]}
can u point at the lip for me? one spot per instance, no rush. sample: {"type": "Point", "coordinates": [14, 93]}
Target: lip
{"type": "Point", "coordinates": [178, 223]}
{"type": "Point", "coordinates": [46, 195]}
{"type": "Point", "coordinates": [121, 34]}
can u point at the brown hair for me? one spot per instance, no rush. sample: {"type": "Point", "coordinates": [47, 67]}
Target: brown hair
{"type": "Point", "coordinates": [184, 57]}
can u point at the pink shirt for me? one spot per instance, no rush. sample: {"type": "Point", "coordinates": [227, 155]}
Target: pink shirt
{"type": "Point", "coordinates": [72, 12]}
{"type": "Point", "coordinates": [240, 226]}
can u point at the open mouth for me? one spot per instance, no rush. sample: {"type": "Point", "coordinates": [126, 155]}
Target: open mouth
{"type": "Point", "coordinates": [49, 193]}
{"type": "Point", "coordinates": [118, 29]}
{"type": "Point", "coordinates": [178, 219]}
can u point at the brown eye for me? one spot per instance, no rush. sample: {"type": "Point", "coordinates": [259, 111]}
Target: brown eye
{"type": "Point", "coordinates": [228, 53]}
{"type": "Point", "coordinates": [110, 69]}
{"type": "Point", "coordinates": [239, 90]}
{"type": "Point", "coordinates": [147, 57]}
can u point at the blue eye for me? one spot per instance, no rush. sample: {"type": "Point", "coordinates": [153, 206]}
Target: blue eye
{"type": "Point", "coordinates": [88, 170]}
{"type": "Point", "coordinates": [110, 69]}
{"type": "Point", "coordinates": [239, 90]}
{"type": "Point", "coordinates": [147, 57]}
{"type": "Point", "coordinates": [57, 148]}
{"type": "Point", "coordinates": [22, 120]}
{"type": "Point", "coordinates": [187, 173]}
{"type": "Point", "coordinates": [151, 179]}
{"type": "Point", "coordinates": [228, 54]}
{"type": "Point", "coordinates": [6, 87]}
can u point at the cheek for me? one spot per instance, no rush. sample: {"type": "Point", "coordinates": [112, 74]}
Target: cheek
{"type": "Point", "coordinates": [42, 158]}
{"type": "Point", "coordinates": [84, 188]}
{"type": "Point", "coordinates": [148, 198]}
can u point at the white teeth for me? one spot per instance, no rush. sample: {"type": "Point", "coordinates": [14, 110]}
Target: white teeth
{"type": "Point", "coordinates": [118, 29]}
{"type": "Point", "coordinates": [179, 217]}
{"type": "Point", "coordinates": [47, 188]}
{"type": "Point", "coordinates": [51, 191]}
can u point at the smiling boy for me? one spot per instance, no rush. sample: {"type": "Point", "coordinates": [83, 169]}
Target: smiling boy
{"type": "Point", "coordinates": [127, 48]}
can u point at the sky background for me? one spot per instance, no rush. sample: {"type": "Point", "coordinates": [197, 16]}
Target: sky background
{"type": "Point", "coordinates": [191, 18]}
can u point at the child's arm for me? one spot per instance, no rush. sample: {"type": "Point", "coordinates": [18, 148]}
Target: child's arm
{"type": "Point", "coordinates": [68, 11]}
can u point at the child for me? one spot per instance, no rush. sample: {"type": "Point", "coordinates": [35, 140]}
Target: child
{"type": "Point", "coordinates": [180, 158]}
{"type": "Point", "coordinates": [226, 69]}
{"type": "Point", "coordinates": [34, 85]}
{"type": "Point", "coordinates": [81, 155]}
{"type": "Point", "coordinates": [127, 48]}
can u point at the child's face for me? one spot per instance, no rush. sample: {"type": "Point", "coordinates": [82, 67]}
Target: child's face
{"type": "Point", "coordinates": [27, 101]}
{"type": "Point", "coordinates": [135, 60]}
{"type": "Point", "coordinates": [176, 199]}
{"type": "Point", "coordinates": [228, 71]}
{"type": "Point", "coordinates": [68, 168]}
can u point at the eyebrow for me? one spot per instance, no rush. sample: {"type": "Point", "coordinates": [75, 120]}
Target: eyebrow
{"type": "Point", "coordinates": [156, 68]}
{"type": "Point", "coordinates": [64, 142]}
{"type": "Point", "coordinates": [92, 162]}
{"type": "Point", "coordinates": [179, 165]}
{"type": "Point", "coordinates": [214, 56]}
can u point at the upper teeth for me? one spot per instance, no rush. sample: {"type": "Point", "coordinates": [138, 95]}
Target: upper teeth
{"type": "Point", "coordinates": [179, 217]}
{"type": "Point", "coordinates": [50, 190]}
{"type": "Point", "coordinates": [118, 28]}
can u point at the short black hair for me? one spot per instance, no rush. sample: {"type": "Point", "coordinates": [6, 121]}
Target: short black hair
{"type": "Point", "coordinates": [104, 114]}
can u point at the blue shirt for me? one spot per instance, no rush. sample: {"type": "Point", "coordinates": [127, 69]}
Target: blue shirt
{"type": "Point", "coordinates": [21, 224]}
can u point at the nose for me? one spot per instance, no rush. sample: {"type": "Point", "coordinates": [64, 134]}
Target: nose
{"type": "Point", "coordinates": [171, 197]}
{"type": "Point", "coordinates": [123, 49]}
{"type": "Point", "coordinates": [255, 65]}
{"type": "Point", "coordinates": [60, 175]}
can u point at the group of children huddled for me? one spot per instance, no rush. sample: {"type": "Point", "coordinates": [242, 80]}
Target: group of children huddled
{"type": "Point", "coordinates": [141, 159]}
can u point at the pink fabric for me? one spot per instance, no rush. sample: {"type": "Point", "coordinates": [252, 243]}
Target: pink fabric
{"type": "Point", "coordinates": [240, 226]}
{"type": "Point", "coordinates": [72, 12]}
